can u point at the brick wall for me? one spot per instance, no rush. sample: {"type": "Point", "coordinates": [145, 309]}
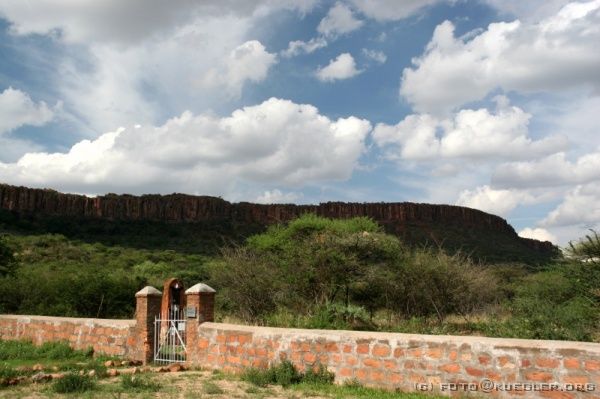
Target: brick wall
{"type": "Point", "coordinates": [402, 361]}
{"type": "Point", "coordinates": [111, 337]}
{"type": "Point", "coordinates": [388, 360]}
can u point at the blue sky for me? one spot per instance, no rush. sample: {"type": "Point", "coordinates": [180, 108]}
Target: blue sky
{"type": "Point", "coordinates": [489, 104]}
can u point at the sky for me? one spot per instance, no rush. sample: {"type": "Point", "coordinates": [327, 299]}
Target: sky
{"type": "Point", "coordinates": [489, 104]}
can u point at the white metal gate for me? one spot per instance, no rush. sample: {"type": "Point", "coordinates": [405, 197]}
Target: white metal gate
{"type": "Point", "coordinates": [169, 338]}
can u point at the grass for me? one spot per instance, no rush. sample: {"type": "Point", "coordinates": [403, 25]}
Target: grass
{"type": "Point", "coordinates": [210, 388]}
{"type": "Point", "coordinates": [354, 391]}
{"type": "Point", "coordinates": [72, 382]}
{"type": "Point", "coordinates": [26, 350]}
{"type": "Point", "coordinates": [138, 383]}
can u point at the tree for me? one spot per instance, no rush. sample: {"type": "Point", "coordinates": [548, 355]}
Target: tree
{"type": "Point", "coordinates": [7, 259]}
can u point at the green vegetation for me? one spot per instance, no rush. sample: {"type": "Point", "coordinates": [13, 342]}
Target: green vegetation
{"type": "Point", "coordinates": [338, 274]}
{"type": "Point", "coordinates": [25, 350]}
{"type": "Point", "coordinates": [354, 391]}
{"type": "Point", "coordinates": [7, 260]}
{"type": "Point", "coordinates": [285, 374]}
{"type": "Point", "coordinates": [210, 388]}
{"type": "Point", "coordinates": [72, 382]}
{"type": "Point", "coordinates": [138, 383]}
{"type": "Point", "coordinates": [311, 273]}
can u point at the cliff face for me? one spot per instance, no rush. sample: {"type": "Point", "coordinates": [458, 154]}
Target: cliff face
{"type": "Point", "coordinates": [180, 208]}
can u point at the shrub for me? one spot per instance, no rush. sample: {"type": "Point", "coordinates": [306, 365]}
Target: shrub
{"type": "Point", "coordinates": [549, 305]}
{"type": "Point", "coordinates": [435, 283]}
{"type": "Point", "coordinates": [7, 260]}
{"type": "Point", "coordinates": [285, 374]}
{"type": "Point", "coordinates": [72, 382]}
{"type": "Point", "coordinates": [319, 376]}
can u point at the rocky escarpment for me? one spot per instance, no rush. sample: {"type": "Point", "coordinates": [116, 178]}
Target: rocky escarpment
{"type": "Point", "coordinates": [398, 218]}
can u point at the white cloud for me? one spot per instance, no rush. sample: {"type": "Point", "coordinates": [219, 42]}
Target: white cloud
{"type": "Point", "coordinates": [339, 20]}
{"type": "Point", "coordinates": [391, 10]}
{"type": "Point", "coordinates": [18, 109]}
{"type": "Point", "coordinates": [298, 47]}
{"type": "Point", "coordinates": [247, 62]}
{"type": "Point", "coordinates": [278, 142]}
{"type": "Point", "coordinates": [526, 10]}
{"type": "Point", "coordinates": [115, 21]}
{"type": "Point", "coordinates": [498, 202]}
{"type": "Point", "coordinates": [581, 206]}
{"type": "Point", "coordinates": [377, 56]}
{"type": "Point", "coordinates": [343, 67]}
{"type": "Point", "coordinates": [154, 80]}
{"type": "Point", "coordinates": [145, 61]}
{"type": "Point", "coordinates": [554, 170]}
{"type": "Point", "coordinates": [538, 234]}
{"type": "Point", "coordinates": [556, 54]}
{"type": "Point", "coordinates": [278, 197]}
{"type": "Point", "coordinates": [473, 134]}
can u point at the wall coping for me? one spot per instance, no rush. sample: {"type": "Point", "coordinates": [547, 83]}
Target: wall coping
{"type": "Point", "coordinates": [200, 288]}
{"type": "Point", "coordinates": [118, 323]}
{"type": "Point", "coordinates": [148, 291]}
{"type": "Point", "coordinates": [335, 335]}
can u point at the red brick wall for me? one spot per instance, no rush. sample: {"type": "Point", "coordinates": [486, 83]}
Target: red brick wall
{"type": "Point", "coordinates": [402, 361]}
{"type": "Point", "coordinates": [387, 360]}
{"type": "Point", "coordinates": [111, 337]}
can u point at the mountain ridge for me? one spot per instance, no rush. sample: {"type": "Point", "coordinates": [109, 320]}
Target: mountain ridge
{"type": "Point", "coordinates": [405, 219]}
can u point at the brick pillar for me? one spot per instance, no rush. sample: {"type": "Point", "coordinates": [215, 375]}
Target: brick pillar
{"type": "Point", "coordinates": [200, 301]}
{"type": "Point", "coordinates": [147, 306]}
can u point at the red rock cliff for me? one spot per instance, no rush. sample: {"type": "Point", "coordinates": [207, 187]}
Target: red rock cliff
{"type": "Point", "coordinates": [188, 208]}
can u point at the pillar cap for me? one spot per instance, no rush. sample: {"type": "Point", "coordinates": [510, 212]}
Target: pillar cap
{"type": "Point", "coordinates": [199, 288]}
{"type": "Point", "coordinates": [148, 291]}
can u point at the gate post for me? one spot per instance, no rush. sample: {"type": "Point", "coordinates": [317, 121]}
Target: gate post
{"type": "Point", "coordinates": [200, 302]}
{"type": "Point", "coordinates": [147, 307]}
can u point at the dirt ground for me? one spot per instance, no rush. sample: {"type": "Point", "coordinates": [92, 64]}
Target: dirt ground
{"type": "Point", "coordinates": [182, 385]}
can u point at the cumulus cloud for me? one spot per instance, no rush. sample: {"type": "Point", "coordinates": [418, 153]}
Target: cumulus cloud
{"type": "Point", "coordinates": [467, 134]}
{"type": "Point", "coordinates": [498, 202]}
{"type": "Point", "coordinates": [298, 47]}
{"type": "Point", "coordinates": [18, 109]}
{"type": "Point", "coordinates": [538, 234]}
{"type": "Point", "coordinates": [247, 62]}
{"type": "Point", "coordinates": [554, 170]}
{"type": "Point", "coordinates": [343, 67]}
{"type": "Point", "coordinates": [581, 206]}
{"type": "Point", "coordinates": [145, 61]}
{"type": "Point", "coordinates": [339, 20]}
{"type": "Point", "coordinates": [115, 21]}
{"type": "Point", "coordinates": [391, 10]}
{"type": "Point", "coordinates": [278, 197]}
{"type": "Point", "coordinates": [530, 11]}
{"type": "Point", "coordinates": [377, 56]}
{"type": "Point", "coordinates": [278, 142]}
{"type": "Point", "coordinates": [558, 53]}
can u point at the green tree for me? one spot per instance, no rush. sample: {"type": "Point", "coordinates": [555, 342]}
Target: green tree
{"type": "Point", "coordinates": [7, 259]}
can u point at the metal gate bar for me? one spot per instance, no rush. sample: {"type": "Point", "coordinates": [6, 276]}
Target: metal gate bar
{"type": "Point", "coordinates": [170, 338]}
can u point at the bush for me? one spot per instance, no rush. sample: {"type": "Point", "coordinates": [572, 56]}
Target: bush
{"type": "Point", "coordinates": [72, 382]}
{"type": "Point", "coordinates": [319, 376]}
{"type": "Point", "coordinates": [435, 283]}
{"type": "Point", "coordinates": [7, 260]}
{"type": "Point", "coordinates": [285, 374]}
{"type": "Point", "coordinates": [549, 305]}
{"type": "Point", "coordinates": [312, 261]}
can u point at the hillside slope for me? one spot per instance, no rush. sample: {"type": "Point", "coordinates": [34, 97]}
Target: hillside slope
{"type": "Point", "coordinates": [201, 224]}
